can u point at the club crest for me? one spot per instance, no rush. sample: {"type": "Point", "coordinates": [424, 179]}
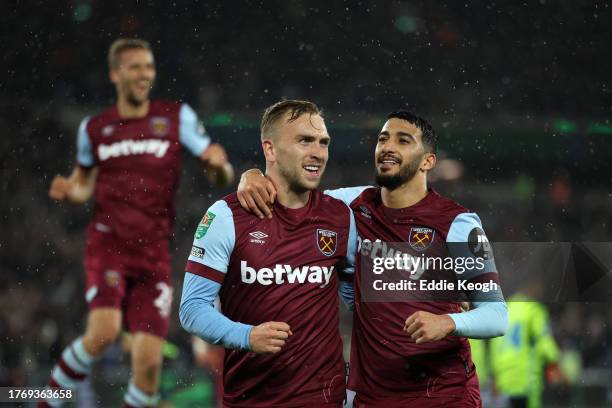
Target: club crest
{"type": "Point", "coordinates": [420, 238]}
{"type": "Point", "coordinates": [112, 278]}
{"type": "Point", "coordinates": [160, 126]}
{"type": "Point", "coordinates": [108, 130]}
{"type": "Point", "coordinates": [327, 241]}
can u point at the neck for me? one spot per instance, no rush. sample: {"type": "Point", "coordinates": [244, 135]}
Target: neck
{"type": "Point", "coordinates": [407, 194]}
{"type": "Point", "coordinates": [127, 110]}
{"type": "Point", "coordinates": [284, 195]}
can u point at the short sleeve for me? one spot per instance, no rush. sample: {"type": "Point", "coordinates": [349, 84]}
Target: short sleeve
{"type": "Point", "coordinates": [467, 239]}
{"type": "Point", "coordinates": [213, 243]}
{"type": "Point", "coordinates": [84, 148]}
{"type": "Point", "coordinates": [192, 134]}
{"type": "Point", "coordinates": [468, 243]}
{"type": "Point", "coordinates": [347, 194]}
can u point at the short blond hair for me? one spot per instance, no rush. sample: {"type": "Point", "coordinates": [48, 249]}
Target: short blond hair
{"type": "Point", "coordinates": [294, 107]}
{"type": "Point", "coordinates": [121, 45]}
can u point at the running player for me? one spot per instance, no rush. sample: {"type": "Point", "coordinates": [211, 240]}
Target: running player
{"type": "Point", "coordinates": [277, 279]}
{"type": "Point", "coordinates": [129, 158]}
{"type": "Point", "coordinates": [410, 352]}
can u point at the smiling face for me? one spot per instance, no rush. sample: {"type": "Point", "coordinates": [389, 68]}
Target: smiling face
{"type": "Point", "coordinates": [299, 150]}
{"type": "Point", "coordinates": [134, 75]}
{"type": "Point", "coordinates": [400, 153]}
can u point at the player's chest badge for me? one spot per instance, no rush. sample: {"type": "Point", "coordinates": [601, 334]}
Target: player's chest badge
{"type": "Point", "coordinates": [112, 278]}
{"type": "Point", "coordinates": [420, 238]}
{"type": "Point", "coordinates": [108, 130]}
{"type": "Point", "coordinates": [327, 241]}
{"type": "Point", "coordinates": [160, 126]}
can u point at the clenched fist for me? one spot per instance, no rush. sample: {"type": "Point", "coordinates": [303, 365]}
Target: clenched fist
{"type": "Point", "coordinates": [214, 156]}
{"type": "Point", "coordinates": [269, 337]}
{"type": "Point", "coordinates": [60, 188]}
{"type": "Point", "coordinates": [425, 327]}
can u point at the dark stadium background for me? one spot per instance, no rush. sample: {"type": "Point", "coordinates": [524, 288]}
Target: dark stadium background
{"type": "Point", "coordinates": [520, 94]}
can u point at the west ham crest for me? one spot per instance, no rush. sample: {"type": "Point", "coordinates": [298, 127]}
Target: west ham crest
{"type": "Point", "coordinates": [420, 238]}
{"type": "Point", "coordinates": [160, 126]}
{"type": "Point", "coordinates": [326, 241]}
{"type": "Point", "coordinates": [112, 278]}
{"type": "Point", "coordinates": [108, 130]}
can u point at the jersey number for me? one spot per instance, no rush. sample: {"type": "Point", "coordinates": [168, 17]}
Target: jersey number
{"type": "Point", "coordinates": [164, 301]}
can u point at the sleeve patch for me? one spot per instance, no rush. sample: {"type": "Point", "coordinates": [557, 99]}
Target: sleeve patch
{"type": "Point", "coordinates": [204, 224]}
{"type": "Point", "coordinates": [197, 252]}
{"type": "Point", "coordinates": [479, 244]}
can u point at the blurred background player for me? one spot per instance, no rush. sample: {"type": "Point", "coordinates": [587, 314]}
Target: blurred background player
{"type": "Point", "coordinates": [527, 355]}
{"type": "Point", "coordinates": [277, 278]}
{"type": "Point", "coordinates": [129, 159]}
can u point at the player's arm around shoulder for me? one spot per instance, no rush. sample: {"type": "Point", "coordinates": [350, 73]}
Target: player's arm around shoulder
{"type": "Point", "coordinates": [257, 193]}
{"type": "Point", "coordinates": [346, 194]}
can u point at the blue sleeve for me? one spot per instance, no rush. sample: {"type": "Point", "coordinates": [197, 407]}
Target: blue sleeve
{"type": "Point", "coordinates": [347, 291]}
{"type": "Point", "coordinates": [84, 149]}
{"type": "Point", "coordinates": [191, 132]}
{"type": "Point", "coordinates": [199, 316]}
{"type": "Point", "coordinates": [467, 239]}
{"type": "Point", "coordinates": [213, 245]}
{"type": "Point", "coordinates": [214, 239]}
{"type": "Point", "coordinates": [347, 194]}
{"type": "Point", "coordinates": [485, 320]}
{"type": "Point", "coordinates": [489, 316]}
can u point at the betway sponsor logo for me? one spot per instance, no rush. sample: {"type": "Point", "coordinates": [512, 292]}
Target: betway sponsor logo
{"type": "Point", "coordinates": [282, 274]}
{"type": "Point", "coordinates": [129, 147]}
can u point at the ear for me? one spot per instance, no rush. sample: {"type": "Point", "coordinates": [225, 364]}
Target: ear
{"type": "Point", "coordinates": [428, 162]}
{"type": "Point", "coordinates": [268, 149]}
{"type": "Point", "coordinates": [114, 78]}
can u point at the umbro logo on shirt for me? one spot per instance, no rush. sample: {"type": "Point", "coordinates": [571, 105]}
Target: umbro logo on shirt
{"type": "Point", "coordinates": [365, 211]}
{"type": "Point", "coordinates": [257, 237]}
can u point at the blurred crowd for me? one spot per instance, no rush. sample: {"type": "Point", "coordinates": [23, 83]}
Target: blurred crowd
{"type": "Point", "coordinates": [475, 58]}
